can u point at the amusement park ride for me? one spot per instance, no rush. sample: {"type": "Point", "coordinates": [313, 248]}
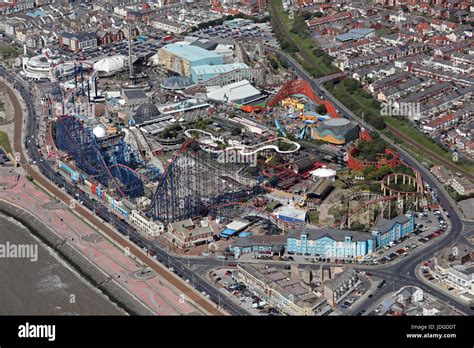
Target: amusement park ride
{"type": "Point", "coordinates": [194, 183]}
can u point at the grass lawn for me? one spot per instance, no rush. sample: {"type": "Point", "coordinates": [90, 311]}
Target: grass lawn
{"type": "Point", "coordinates": [307, 45]}
{"type": "Point", "coordinates": [360, 103]}
{"type": "Point", "coordinates": [421, 139]}
{"type": "Point", "coordinates": [4, 142]}
{"type": "Point", "coordinates": [8, 51]}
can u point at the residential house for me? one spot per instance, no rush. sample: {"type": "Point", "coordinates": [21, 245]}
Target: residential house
{"type": "Point", "coordinates": [336, 289]}
{"type": "Point", "coordinates": [462, 185]}
{"type": "Point", "coordinates": [78, 42]}
{"type": "Point", "coordinates": [442, 174]}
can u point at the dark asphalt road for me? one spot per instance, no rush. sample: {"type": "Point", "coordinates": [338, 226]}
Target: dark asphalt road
{"type": "Point", "coordinates": [403, 272]}
{"type": "Point", "coordinates": [132, 237]}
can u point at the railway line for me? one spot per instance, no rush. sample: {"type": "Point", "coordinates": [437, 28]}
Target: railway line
{"type": "Point", "coordinates": [392, 129]}
{"type": "Point", "coordinates": [428, 152]}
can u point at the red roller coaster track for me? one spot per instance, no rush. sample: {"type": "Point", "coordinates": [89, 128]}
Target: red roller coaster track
{"type": "Point", "coordinates": [301, 87]}
{"type": "Point", "coordinates": [363, 206]}
{"type": "Point", "coordinates": [354, 163]}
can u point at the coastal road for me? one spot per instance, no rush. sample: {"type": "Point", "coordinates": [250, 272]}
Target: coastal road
{"type": "Point", "coordinates": [47, 171]}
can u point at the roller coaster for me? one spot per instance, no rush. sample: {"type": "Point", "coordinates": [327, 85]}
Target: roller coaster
{"type": "Point", "coordinates": [301, 87]}
{"type": "Point", "coordinates": [76, 86]}
{"type": "Point", "coordinates": [389, 194]}
{"type": "Point", "coordinates": [196, 184]}
{"type": "Point", "coordinates": [111, 163]}
{"type": "Point", "coordinates": [246, 150]}
{"type": "Point", "coordinates": [108, 160]}
{"type": "Point", "coordinates": [365, 205]}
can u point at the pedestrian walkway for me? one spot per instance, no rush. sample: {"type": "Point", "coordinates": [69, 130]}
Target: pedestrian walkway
{"type": "Point", "coordinates": [156, 293]}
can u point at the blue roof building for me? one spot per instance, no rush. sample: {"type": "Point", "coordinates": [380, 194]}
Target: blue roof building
{"type": "Point", "coordinates": [329, 242]}
{"type": "Point", "coordinates": [180, 58]}
{"type": "Point", "coordinates": [36, 13]}
{"type": "Point", "coordinates": [203, 73]}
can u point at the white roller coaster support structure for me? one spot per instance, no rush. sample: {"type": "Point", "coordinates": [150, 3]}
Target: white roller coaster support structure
{"type": "Point", "coordinates": [68, 92]}
{"type": "Point", "coordinates": [245, 150]}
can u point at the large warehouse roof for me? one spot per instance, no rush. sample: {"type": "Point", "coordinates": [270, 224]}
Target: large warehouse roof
{"type": "Point", "coordinates": [234, 92]}
{"type": "Point", "coordinates": [218, 69]}
{"type": "Point", "coordinates": [339, 126]}
{"type": "Point", "coordinates": [189, 52]}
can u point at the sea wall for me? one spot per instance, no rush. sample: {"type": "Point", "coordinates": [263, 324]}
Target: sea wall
{"type": "Point", "coordinates": [90, 271]}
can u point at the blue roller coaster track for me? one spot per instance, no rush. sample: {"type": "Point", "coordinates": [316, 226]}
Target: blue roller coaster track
{"type": "Point", "coordinates": [196, 184]}
{"type": "Point", "coordinates": [112, 166]}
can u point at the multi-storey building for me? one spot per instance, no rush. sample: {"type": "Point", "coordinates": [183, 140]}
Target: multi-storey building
{"type": "Point", "coordinates": [387, 231]}
{"type": "Point", "coordinates": [317, 22]}
{"type": "Point", "coordinates": [461, 277]}
{"type": "Point", "coordinates": [146, 225]}
{"type": "Point", "coordinates": [335, 290]}
{"type": "Point", "coordinates": [291, 294]}
{"type": "Point", "coordinates": [181, 58]}
{"type": "Point", "coordinates": [330, 242]}
{"type": "Point", "coordinates": [462, 185]}
{"type": "Point", "coordinates": [187, 233]}
{"type": "Point", "coordinates": [78, 42]}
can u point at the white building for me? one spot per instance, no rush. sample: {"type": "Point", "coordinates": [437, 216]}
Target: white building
{"type": "Point", "coordinates": [241, 92]}
{"type": "Point", "coordinates": [462, 185]}
{"type": "Point", "coordinates": [110, 65]}
{"type": "Point", "coordinates": [152, 228]}
{"type": "Point", "coordinates": [169, 26]}
{"type": "Point", "coordinates": [460, 276]}
{"type": "Point", "coordinates": [38, 67]}
{"type": "Point", "coordinates": [409, 294]}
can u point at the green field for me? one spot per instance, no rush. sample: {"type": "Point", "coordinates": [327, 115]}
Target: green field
{"type": "Point", "coordinates": [419, 138]}
{"type": "Point", "coordinates": [365, 106]}
{"type": "Point", "coordinates": [4, 142]}
{"type": "Point", "coordinates": [359, 101]}
{"type": "Point", "coordinates": [300, 44]}
{"type": "Point", "coordinates": [8, 51]}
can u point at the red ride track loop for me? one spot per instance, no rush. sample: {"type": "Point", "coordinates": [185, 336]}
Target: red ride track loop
{"type": "Point", "coordinates": [301, 87]}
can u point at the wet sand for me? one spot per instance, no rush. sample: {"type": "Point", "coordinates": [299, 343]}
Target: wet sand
{"type": "Point", "coordinates": [48, 286]}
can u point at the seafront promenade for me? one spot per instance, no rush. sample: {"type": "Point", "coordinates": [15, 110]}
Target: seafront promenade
{"type": "Point", "coordinates": [151, 294]}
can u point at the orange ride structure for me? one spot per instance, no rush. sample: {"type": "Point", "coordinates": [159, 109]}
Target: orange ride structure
{"type": "Point", "coordinates": [390, 158]}
{"type": "Point", "coordinates": [301, 87]}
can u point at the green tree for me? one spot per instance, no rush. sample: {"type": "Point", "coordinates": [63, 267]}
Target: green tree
{"type": "Point", "coordinates": [273, 62]}
{"type": "Point", "coordinates": [368, 171]}
{"type": "Point", "coordinates": [236, 131]}
{"type": "Point", "coordinates": [321, 109]}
